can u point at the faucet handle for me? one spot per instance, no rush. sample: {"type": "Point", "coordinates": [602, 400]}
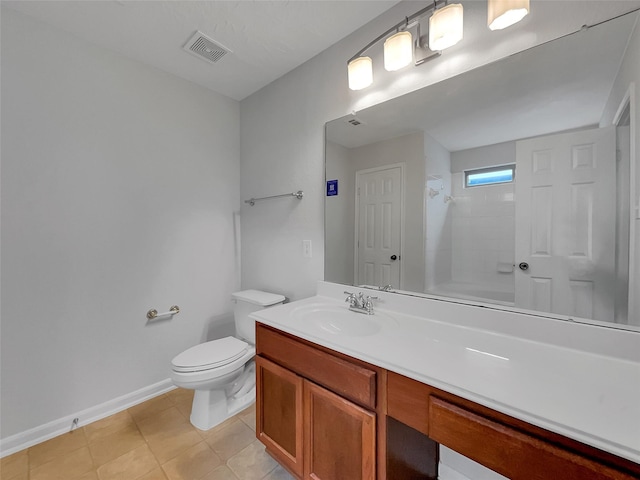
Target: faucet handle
{"type": "Point", "coordinates": [369, 300]}
{"type": "Point", "coordinates": [367, 304]}
{"type": "Point", "coordinates": [351, 298]}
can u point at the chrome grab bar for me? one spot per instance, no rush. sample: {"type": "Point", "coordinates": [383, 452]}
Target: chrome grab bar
{"type": "Point", "coordinates": [153, 313]}
{"type": "Point", "coordinates": [299, 194]}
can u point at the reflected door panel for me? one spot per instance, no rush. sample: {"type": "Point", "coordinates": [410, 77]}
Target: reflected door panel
{"type": "Point", "coordinates": [379, 197]}
{"type": "Point", "coordinates": [566, 224]}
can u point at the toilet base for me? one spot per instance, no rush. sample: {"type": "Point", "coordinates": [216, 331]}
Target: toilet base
{"type": "Point", "coordinates": [212, 407]}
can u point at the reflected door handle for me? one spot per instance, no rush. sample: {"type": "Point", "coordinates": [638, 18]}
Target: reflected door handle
{"type": "Point", "coordinates": [394, 257]}
{"type": "Point", "coordinates": [524, 266]}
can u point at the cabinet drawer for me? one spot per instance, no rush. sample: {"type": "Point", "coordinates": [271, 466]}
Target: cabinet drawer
{"type": "Point", "coordinates": [508, 451]}
{"type": "Point", "coordinates": [351, 381]}
{"type": "Point", "coordinates": [408, 401]}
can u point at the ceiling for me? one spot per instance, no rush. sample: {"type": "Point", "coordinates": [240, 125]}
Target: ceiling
{"type": "Point", "coordinates": [267, 38]}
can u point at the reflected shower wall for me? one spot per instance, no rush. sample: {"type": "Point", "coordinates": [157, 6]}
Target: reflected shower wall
{"type": "Point", "coordinates": [439, 242]}
{"type": "Point", "coordinates": [480, 223]}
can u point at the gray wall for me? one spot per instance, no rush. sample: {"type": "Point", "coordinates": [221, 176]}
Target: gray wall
{"type": "Point", "coordinates": [340, 216]}
{"type": "Point", "coordinates": [119, 184]}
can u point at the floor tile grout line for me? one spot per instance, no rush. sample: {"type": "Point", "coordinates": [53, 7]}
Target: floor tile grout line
{"type": "Point", "coordinates": [135, 424]}
{"type": "Point", "coordinates": [161, 465]}
{"type": "Point", "coordinates": [135, 421]}
{"type": "Point", "coordinates": [146, 441]}
{"type": "Point", "coordinates": [70, 452]}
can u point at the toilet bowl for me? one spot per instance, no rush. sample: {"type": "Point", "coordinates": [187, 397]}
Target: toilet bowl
{"type": "Point", "coordinates": [222, 372]}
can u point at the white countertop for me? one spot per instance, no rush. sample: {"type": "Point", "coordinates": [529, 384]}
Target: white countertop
{"type": "Point", "coordinates": [590, 397]}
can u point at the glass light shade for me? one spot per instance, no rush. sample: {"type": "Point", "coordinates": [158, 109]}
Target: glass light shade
{"type": "Point", "coordinates": [360, 73]}
{"type": "Point", "coordinates": [445, 27]}
{"type": "Point", "coordinates": [504, 13]}
{"type": "Point", "coordinates": [398, 51]}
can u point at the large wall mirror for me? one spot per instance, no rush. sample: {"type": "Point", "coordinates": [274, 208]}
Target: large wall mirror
{"type": "Point", "coordinates": [504, 186]}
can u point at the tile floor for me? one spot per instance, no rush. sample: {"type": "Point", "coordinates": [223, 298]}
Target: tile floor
{"type": "Point", "coordinates": [150, 441]}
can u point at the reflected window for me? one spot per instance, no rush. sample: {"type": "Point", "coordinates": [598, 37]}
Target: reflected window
{"type": "Point", "coordinates": [489, 176]}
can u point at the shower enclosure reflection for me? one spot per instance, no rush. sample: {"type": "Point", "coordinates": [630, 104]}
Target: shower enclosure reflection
{"type": "Point", "coordinates": [548, 230]}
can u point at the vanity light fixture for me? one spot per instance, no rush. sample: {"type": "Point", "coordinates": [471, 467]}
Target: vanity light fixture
{"type": "Point", "coordinates": [504, 13]}
{"type": "Point", "coordinates": [400, 49]}
{"type": "Point", "coordinates": [445, 29]}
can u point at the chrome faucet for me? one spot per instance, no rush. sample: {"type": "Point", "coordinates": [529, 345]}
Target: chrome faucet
{"type": "Point", "coordinates": [360, 303]}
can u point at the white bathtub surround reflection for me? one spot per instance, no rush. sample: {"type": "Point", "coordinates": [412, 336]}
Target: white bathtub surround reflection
{"type": "Point", "coordinates": [470, 241]}
{"type": "Point", "coordinates": [483, 234]}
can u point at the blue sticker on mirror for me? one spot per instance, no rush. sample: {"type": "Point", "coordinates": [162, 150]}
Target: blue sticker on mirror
{"type": "Point", "coordinates": [332, 188]}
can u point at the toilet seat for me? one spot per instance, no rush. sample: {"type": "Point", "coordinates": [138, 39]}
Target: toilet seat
{"type": "Point", "coordinates": [209, 355]}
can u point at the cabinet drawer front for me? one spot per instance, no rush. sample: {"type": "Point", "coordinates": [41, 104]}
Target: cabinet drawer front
{"type": "Point", "coordinates": [507, 451]}
{"type": "Point", "coordinates": [356, 383]}
{"type": "Point", "coordinates": [408, 401]}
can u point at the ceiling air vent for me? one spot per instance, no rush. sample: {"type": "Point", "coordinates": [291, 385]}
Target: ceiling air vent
{"type": "Point", "coordinates": [205, 48]}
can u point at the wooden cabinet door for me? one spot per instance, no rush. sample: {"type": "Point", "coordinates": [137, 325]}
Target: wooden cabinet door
{"type": "Point", "coordinates": [279, 413]}
{"type": "Point", "coordinates": [340, 437]}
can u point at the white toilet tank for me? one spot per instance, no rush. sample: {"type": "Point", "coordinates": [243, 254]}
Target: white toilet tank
{"type": "Point", "coordinates": [249, 301]}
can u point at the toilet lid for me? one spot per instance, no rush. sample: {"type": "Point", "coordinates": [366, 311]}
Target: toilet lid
{"type": "Point", "coordinates": [210, 355]}
{"type": "Point", "coordinates": [258, 297]}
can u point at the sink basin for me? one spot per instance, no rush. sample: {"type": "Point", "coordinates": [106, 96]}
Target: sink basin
{"type": "Point", "coordinates": [339, 320]}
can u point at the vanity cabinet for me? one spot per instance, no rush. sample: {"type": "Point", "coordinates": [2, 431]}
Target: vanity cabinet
{"type": "Point", "coordinates": [315, 411]}
{"type": "Point", "coordinates": [327, 416]}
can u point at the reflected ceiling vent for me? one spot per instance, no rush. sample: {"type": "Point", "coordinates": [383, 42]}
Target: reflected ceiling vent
{"type": "Point", "coordinates": [355, 121]}
{"type": "Point", "coordinates": [205, 48]}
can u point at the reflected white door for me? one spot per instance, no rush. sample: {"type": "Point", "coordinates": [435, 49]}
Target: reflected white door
{"type": "Point", "coordinates": [379, 221]}
{"type": "Point", "coordinates": [566, 224]}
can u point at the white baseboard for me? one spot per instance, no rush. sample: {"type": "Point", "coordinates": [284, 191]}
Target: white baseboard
{"type": "Point", "coordinates": [39, 434]}
{"type": "Point", "coordinates": [448, 473]}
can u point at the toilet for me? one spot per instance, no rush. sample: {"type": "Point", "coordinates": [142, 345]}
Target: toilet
{"type": "Point", "coordinates": [222, 372]}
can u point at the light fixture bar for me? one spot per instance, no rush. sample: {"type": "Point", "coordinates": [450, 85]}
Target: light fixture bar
{"type": "Point", "coordinates": [404, 24]}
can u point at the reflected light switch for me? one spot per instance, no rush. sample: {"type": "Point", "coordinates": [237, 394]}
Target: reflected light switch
{"type": "Point", "coordinates": [306, 248]}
